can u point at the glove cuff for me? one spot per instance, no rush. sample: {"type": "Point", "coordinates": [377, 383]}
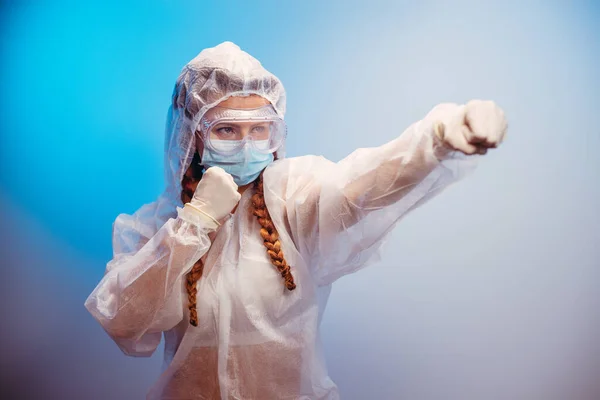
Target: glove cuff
{"type": "Point", "coordinates": [198, 217]}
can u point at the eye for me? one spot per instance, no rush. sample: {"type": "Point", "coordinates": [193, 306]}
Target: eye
{"type": "Point", "coordinates": [225, 131]}
{"type": "Point", "coordinates": [260, 130]}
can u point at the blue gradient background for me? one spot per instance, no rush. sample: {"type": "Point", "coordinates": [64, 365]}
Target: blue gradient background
{"type": "Point", "coordinates": [488, 292]}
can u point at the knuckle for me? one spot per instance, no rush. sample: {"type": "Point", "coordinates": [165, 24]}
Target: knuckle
{"type": "Point", "coordinates": [213, 171]}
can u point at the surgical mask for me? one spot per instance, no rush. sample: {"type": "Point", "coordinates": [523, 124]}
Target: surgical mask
{"type": "Point", "coordinates": [244, 166]}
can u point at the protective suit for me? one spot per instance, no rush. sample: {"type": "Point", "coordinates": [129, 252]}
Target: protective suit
{"type": "Point", "coordinates": [255, 339]}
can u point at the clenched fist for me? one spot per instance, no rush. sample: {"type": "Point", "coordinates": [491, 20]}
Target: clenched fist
{"type": "Point", "coordinates": [216, 195]}
{"type": "Point", "coordinates": [473, 128]}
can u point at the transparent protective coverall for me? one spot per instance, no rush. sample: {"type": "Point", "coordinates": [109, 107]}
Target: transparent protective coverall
{"type": "Point", "coordinates": [255, 339]}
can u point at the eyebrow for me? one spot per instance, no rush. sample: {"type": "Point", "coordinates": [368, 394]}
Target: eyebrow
{"type": "Point", "coordinates": [222, 124]}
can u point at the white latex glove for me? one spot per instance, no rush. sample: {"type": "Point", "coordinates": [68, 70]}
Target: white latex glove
{"type": "Point", "coordinates": [473, 128]}
{"type": "Point", "coordinates": [215, 197]}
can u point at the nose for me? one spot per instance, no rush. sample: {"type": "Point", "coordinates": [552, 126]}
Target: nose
{"type": "Point", "coordinates": [245, 131]}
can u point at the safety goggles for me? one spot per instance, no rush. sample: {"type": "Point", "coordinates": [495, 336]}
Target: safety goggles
{"type": "Point", "coordinates": [227, 131]}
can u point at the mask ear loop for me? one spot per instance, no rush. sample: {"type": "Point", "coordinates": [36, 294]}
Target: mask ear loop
{"type": "Point", "coordinates": [199, 135]}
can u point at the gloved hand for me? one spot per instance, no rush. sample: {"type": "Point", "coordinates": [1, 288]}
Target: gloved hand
{"type": "Point", "coordinates": [473, 128]}
{"type": "Point", "coordinates": [215, 196]}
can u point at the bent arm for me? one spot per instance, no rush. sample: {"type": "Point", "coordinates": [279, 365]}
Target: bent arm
{"type": "Point", "coordinates": [141, 294]}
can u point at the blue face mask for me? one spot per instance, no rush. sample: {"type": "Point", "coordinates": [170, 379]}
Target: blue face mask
{"type": "Point", "coordinates": [244, 166]}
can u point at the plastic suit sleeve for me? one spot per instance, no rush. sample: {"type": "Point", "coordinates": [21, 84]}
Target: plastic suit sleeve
{"type": "Point", "coordinates": [141, 294]}
{"type": "Point", "coordinates": [339, 214]}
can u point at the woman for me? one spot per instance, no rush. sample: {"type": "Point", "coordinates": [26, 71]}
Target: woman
{"type": "Point", "coordinates": [234, 262]}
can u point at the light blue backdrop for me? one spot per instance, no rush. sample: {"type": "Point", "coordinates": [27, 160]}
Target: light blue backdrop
{"type": "Point", "coordinates": [488, 292]}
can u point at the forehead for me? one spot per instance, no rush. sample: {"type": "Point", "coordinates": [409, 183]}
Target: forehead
{"type": "Point", "coordinates": [244, 103]}
{"type": "Point", "coordinates": [247, 109]}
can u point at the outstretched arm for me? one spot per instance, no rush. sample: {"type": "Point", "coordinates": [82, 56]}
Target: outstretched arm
{"type": "Point", "coordinates": [340, 213]}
